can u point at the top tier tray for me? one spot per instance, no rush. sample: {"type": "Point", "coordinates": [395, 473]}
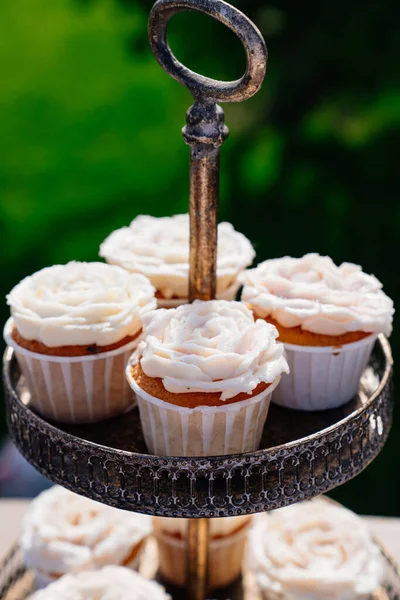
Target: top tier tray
{"type": "Point", "coordinates": [302, 455]}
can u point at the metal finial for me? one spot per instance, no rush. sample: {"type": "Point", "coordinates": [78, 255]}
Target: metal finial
{"type": "Point", "coordinates": [205, 130]}
{"type": "Point", "coordinates": [204, 89]}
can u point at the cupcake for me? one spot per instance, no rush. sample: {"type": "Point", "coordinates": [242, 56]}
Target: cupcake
{"type": "Point", "coordinates": [110, 583]}
{"type": "Point", "coordinates": [203, 377]}
{"type": "Point", "coordinates": [328, 318]}
{"type": "Point", "coordinates": [226, 548]}
{"type": "Point", "coordinates": [73, 328]}
{"type": "Point", "coordinates": [66, 533]}
{"type": "Point", "coordinates": [314, 550]}
{"type": "Point", "coordinates": [159, 249]}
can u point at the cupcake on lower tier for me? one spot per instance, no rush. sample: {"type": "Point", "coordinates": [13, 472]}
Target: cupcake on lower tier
{"type": "Point", "coordinates": [159, 249]}
{"type": "Point", "coordinates": [227, 538]}
{"type": "Point", "coordinates": [66, 533]}
{"type": "Point", "coordinates": [73, 328]}
{"type": "Point", "coordinates": [315, 550]}
{"type": "Point", "coordinates": [203, 377]}
{"type": "Point", "coordinates": [328, 318]}
{"type": "Point", "coordinates": [110, 583]}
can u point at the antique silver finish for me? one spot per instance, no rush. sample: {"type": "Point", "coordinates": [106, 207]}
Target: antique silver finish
{"type": "Point", "coordinates": [197, 558]}
{"type": "Point", "coordinates": [107, 461]}
{"type": "Point", "coordinates": [313, 453]}
{"type": "Point", "coordinates": [205, 130]}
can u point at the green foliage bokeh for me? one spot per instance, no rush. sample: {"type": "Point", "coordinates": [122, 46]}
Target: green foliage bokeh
{"type": "Point", "coordinates": [90, 137]}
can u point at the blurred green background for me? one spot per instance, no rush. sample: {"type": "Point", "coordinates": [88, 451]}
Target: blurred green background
{"type": "Point", "coordinates": [90, 137]}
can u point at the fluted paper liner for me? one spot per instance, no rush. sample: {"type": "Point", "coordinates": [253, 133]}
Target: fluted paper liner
{"type": "Point", "coordinates": [322, 378]}
{"type": "Point", "coordinates": [205, 430]}
{"type": "Point", "coordinates": [225, 558]}
{"type": "Point", "coordinates": [42, 579]}
{"type": "Point", "coordinates": [76, 389]}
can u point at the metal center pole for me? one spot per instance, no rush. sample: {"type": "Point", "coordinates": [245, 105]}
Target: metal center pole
{"type": "Point", "coordinates": [197, 559]}
{"type": "Point", "coordinates": [204, 186]}
{"type": "Point", "coordinates": [205, 131]}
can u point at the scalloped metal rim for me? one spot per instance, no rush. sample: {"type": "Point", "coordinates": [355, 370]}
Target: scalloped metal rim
{"type": "Point", "coordinates": [331, 457]}
{"type": "Point", "coordinates": [9, 356]}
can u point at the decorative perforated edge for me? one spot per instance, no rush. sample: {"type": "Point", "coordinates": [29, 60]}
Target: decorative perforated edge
{"type": "Point", "coordinates": [207, 486]}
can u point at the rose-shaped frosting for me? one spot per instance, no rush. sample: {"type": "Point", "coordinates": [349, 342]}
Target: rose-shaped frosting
{"type": "Point", "coordinates": [314, 550]}
{"type": "Point", "coordinates": [159, 248]}
{"type": "Point", "coordinates": [213, 346]}
{"type": "Point", "coordinates": [218, 527]}
{"type": "Point", "coordinates": [109, 583]}
{"type": "Point", "coordinates": [80, 303]}
{"type": "Point", "coordinates": [63, 532]}
{"type": "Point", "coordinates": [321, 297]}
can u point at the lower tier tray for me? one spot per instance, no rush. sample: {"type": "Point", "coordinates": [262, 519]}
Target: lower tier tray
{"type": "Point", "coordinates": [303, 453]}
{"type": "Point", "coordinates": [16, 583]}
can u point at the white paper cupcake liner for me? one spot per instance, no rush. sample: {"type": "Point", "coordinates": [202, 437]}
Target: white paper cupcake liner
{"type": "Point", "coordinates": [225, 558]}
{"type": "Point", "coordinates": [229, 294]}
{"type": "Point", "coordinates": [42, 580]}
{"type": "Point", "coordinates": [322, 378]}
{"type": "Point", "coordinates": [205, 430]}
{"type": "Point", "coordinates": [76, 389]}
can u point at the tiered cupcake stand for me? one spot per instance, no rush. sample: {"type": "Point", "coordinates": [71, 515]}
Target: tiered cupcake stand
{"type": "Point", "coordinates": [302, 455]}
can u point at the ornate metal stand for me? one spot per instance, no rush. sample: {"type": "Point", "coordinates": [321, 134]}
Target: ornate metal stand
{"type": "Point", "coordinates": [205, 131]}
{"type": "Point", "coordinates": [108, 461]}
{"type": "Point", "coordinates": [312, 453]}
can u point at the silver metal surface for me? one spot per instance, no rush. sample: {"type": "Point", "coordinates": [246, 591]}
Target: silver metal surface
{"type": "Point", "coordinates": [108, 461]}
{"type": "Point", "coordinates": [205, 129]}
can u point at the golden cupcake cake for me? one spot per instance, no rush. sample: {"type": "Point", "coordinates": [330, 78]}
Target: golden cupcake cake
{"type": "Point", "coordinates": [227, 537]}
{"type": "Point", "coordinates": [65, 533]}
{"type": "Point", "coordinates": [328, 318]}
{"type": "Point", "coordinates": [109, 583]}
{"type": "Point", "coordinates": [314, 550]}
{"type": "Point", "coordinates": [73, 328]}
{"type": "Point", "coordinates": [203, 376]}
{"type": "Point", "coordinates": [159, 249]}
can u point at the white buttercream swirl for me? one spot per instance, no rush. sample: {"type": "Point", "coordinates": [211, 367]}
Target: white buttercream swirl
{"type": "Point", "coordinates": [321, 297]}
{"type": "Point", "coordinates": [66, 533]}
{"type": "Point", "coordinates": [80, 304]}
{"type": "Point", "coordinates": [159, 249]}
{"type": "Point", "coordinates": [110, 583]}
{"type": "Point", "coordinates": [218, 527]}
{"type": "Point", "coordinates": [213, 346]}
{"type": "Point", "coordinates": [314, 550]}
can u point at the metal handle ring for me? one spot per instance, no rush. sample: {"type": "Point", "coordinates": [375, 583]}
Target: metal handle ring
{"type": "Point", "coordinates": [204, 88]}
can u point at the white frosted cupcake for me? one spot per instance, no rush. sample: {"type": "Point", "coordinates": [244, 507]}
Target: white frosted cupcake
{"type": "Point", "coordinates": [159, 249]}
{"type": "Point", "coordinates": [227, 539]}
{"type": "Point", "coordinates": [110, 583]}
{"type": "Point", "coordinates": [73, 328]}
{"type": "Point", "coordinates": [328, 318]}
{"type": "Point", "coordinates": [314, 550]}
{"type": "Point", "coordinates": [66, 533]}
{"type": "Point", "coordinates": [203, 377]}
